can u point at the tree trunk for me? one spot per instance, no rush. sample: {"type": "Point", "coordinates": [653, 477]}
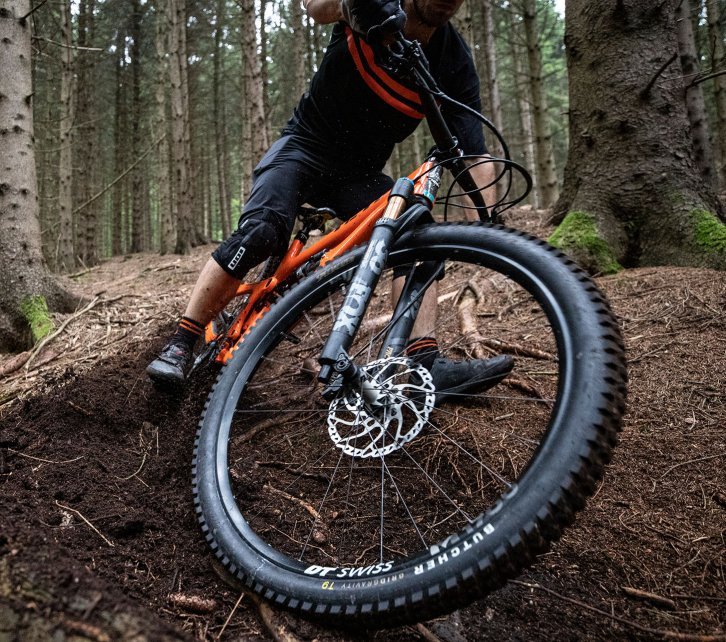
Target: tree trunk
{"type": "Point", "coordinates": [695, 104]}
{"type": "Point", "coordinates": [634, 194]}
{"type": "Point", "coordinates": [179, 122]}
{"type": "Point", "coordinates": [491, 79]}
{"type": "Point", "coordinates": [546, 170]}
{"type": "Point", "coordinates": [166, 222]}
{"type": "Point", "coordinates": [65, 259]}
{"type": "Point", "coordinates": [491, 66]}
{"type": "Point", "coordinates": [298, 45]}
{"type": "Point", "coordinates": [85, 135]}
{"type": "Point", "coordinates": [118, 138]}
{"type": "Point", "coordinates": [137, 214]}
{"type": "Point", "coordinates": [197, 236]}
{"type": "Point", "coordinates": [253, 83]}
{"type": "Point", "coordinates": [264, 69]}
{"type": "Point", "coordinates": [220, 121]}
{"type": "Point", "coordinates": [25, 278]}
{"type": "Point", "coordinates": [463, 21]}
{"type": "Point", "coordinates": [521, 87]}
{"type": "Point", "coordinates": [716, 45]}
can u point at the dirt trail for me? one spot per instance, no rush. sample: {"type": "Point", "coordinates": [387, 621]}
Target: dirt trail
{"type": "Point", "coordinates": [98, 538]}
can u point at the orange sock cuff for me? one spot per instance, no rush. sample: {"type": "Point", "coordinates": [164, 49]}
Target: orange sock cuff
{"type": "Point", "coordinates": [190, 325]}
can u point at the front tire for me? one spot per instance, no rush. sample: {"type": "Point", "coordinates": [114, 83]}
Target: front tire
{"type": "Point", "coordinates": [386, 535]}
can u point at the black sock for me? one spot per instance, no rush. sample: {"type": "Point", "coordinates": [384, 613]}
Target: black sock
{"type": "Point", "coordinates": [187, 332]}
{"type": "Point", "coordinates": [423, 350]}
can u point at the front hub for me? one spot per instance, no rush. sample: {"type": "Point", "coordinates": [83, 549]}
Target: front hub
{"type": "Point", "coordinates": [386, 410]}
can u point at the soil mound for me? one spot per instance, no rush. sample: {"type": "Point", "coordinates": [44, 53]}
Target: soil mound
{"type": "Point", "coordinates": [98, 537]}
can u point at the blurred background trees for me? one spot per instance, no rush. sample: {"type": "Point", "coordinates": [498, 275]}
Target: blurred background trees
{"type": "Point", "coordinates": [150, 114]}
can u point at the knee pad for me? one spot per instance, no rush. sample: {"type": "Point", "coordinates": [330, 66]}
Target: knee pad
{"type": "Point", "coordinates": [255, 240]}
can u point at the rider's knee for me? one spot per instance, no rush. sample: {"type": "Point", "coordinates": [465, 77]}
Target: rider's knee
{"type": "Point", "coordinates": [259, 236]}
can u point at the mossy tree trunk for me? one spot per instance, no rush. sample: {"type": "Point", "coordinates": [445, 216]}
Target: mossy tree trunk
{"type": "Point", "coordinates": [24, 278]}
{"type": "Point", "coordinates": [630, 170]}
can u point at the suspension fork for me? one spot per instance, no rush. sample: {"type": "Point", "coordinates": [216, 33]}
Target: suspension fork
{"type": "Point", "coordinates": [334, 357]}
{"type": "Point", "coordinates": [418, 281]}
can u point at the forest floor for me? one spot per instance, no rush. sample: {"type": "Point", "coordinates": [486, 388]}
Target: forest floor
{"type": "Point", "coordinates": [99, 540]}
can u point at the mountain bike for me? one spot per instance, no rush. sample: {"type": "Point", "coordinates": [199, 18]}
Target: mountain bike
{"type": "Point", "coordinates": [328, 478]}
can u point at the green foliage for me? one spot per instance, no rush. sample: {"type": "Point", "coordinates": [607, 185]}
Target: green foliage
{"type": "Point", "coordinates": [709, 232]}
{"type": "Point", "coordinates": [35, 311]}
{"type": "Point", "coordinates": [578, 235]}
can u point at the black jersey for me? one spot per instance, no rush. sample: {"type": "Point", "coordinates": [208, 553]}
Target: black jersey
{"type": "Point", "coordinates": [356, 112]}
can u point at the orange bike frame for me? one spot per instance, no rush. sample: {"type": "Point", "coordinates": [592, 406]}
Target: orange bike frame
{"type": "Point", "coordinates": [353, 232]}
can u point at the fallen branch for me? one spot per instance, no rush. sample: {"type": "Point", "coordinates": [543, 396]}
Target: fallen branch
{"type": "Point", "coordinates": [263, 425]}
{"type": "Point", "coordinates": [467, 320]}
{"type": "Point", "coordinates": [669, 635]}
{"type": "Point", "coordinates": [297, 500]}
{"type": "Point", "coordinates": [75, 275]}
{"type": "Point", "coordinates": [523, 386]}
{"type": "Point", "coordinates": [427, 634]}
{"type": "Point", "coordinates": [45, 461]}
{"type": "Point", "coordinates": [15, 363]}
{"type": "Point", "coordinates": [85, 629]}
{"type": "Point", "coordinates": [274, 626]}
{"type": "Point", "coordinates": [231, 613]}
{"type": "Point", "coordinates": [73, 510]}
{"type": "Point", "coordinates": [691, 461]}
{"type": "Point", "coordinates": [519, 350]}
{"type": "Point", "coordinates": [192, 603]}
{"type": "Point", "coordinates": [657, 600]}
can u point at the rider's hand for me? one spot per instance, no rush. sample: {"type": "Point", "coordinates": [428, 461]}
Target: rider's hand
{"type": "Point", "coordinates": [373, 18]}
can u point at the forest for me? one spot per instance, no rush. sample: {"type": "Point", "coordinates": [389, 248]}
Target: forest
{"type": "Point", "coordinates": [129, 132]}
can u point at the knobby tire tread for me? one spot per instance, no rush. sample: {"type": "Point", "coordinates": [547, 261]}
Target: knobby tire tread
{"type": "Point", "coordinates": [444, 592]}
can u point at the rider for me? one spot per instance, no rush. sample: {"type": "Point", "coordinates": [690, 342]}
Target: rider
{"type": "Point", "coordinates": [332, 153]}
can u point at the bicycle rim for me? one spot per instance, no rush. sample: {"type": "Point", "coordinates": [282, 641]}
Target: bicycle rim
{"type": "Point", "coordinates": [340, 501]}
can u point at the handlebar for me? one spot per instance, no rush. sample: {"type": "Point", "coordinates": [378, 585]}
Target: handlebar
{"type": "Point", "coordinates": [406, 58]}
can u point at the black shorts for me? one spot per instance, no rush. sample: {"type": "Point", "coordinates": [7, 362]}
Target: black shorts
{"type": "Point", "coordinates": [291, 174]}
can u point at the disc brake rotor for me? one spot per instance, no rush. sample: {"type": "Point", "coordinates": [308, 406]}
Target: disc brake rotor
{"type": "Point", "coordinates": [389, 409]}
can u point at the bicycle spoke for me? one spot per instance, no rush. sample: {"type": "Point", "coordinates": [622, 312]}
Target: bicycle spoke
{"type": "Point", "coordinates": [322, 509]}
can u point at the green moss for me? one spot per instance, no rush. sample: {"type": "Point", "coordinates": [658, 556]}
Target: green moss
{"type": "Point", "coordinates": [35, 311]}
{"type": "Point", "coordinates": [709, 233]}
{"type": "Point", "coordinates": [578, 235]}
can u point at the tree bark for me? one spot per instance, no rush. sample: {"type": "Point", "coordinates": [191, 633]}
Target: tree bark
{"type": "Point", "coordinates": [521, 87]}
{"type": "Point", "coordinates": [220, 121]}
{"type": "Point", "coordinates": [137, 214]}
{"type": "Point", "coordinates": [546, 170]}
{"type": "Point", "coordinates": [298, 45]}
{"type": "Point", "coordinates": [179, 122]}
{"type": "Point", "coordinates": [197, 236]}
{"type": "Point", "coordinates": [264, 69]}
{"type": "Point", "coordinates": [630, 174]}
{"type": "Point", "coordinates": [65, 259]}
{"type": "Point", "coordinates": [85, 135]}
{"type": "Point", "coordinates": [695, 103]}
{"type": "Point", "coordinates": [119, 136]}
{"type": "Point", "coordinates": [718, 58]}
{"type": "Point", "coordinates": [253, 83]}
{"type": "Point", "coordinates": [167, 234]}
{"type": "Point", "coordinates": [25, 274]}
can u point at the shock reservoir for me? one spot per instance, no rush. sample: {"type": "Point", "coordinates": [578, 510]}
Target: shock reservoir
{"type": "Point", "coordinates": [427, 186]}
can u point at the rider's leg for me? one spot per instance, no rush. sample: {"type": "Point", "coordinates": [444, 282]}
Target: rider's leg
{"type": "Point", "coordinates": [450, 378]}
{"type": "Point", "coordinates": [281, 183]}
{"type": "Point", "coordinates": [213, 290]}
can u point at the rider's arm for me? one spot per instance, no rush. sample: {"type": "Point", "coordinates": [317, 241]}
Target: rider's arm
{"type": "Point", "coordinates": [324, 12]}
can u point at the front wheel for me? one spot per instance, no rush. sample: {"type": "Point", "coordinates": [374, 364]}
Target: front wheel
{"type": "Point", "coordinates": [398, 509]}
